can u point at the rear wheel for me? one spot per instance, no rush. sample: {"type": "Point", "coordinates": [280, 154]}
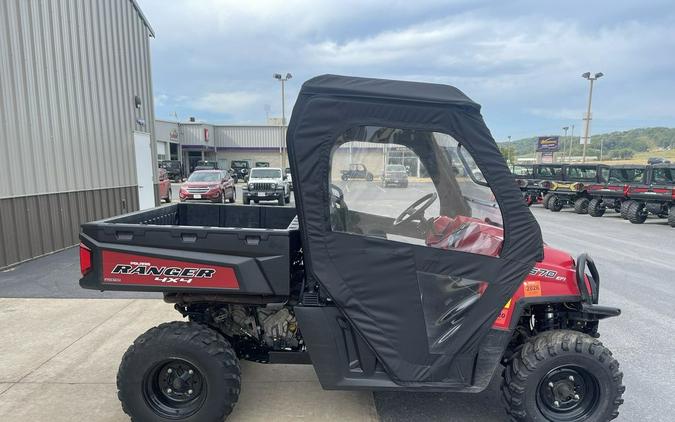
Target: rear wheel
{"type": "Point", "coordinates": [546, 200]}
{"type": "Point", "coordinates": [247, 201]}
{"type": "Point", "coordinates": [555, 204]}
{"type": "Point", "coordinates": [179, 371]}
{"type": "Point", "coordinates": [233, 198]}
{"type": "Point", "coordinates": [637, 214]}
{"type": "Point", "coordinates": [595, 208]}
{"type": "Point", "coordinates": [671, 216]}
{"type": "Point", "coordinates": [581, 206]}
{"type": "Point", "coordinates": [168, 196]}
{"type": "Point", "coordinates": [562, 376]}
{"type": "Point", "coordinates": [624, 209]}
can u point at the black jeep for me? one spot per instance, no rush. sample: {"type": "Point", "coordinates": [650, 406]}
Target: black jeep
{"type": "Point", "coordinates": [357, 171]}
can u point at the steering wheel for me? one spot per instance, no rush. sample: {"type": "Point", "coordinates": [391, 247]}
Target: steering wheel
{"type": "Point", "coordinates": [416, 210]}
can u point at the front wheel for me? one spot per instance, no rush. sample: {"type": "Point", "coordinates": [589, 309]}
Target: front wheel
{"type": "Point", "coordinates": [233, 198]}
{"type": "Point", "coordinates": [179, 371]}
{"type": "Point", "coordinates": [637, 214]}
{"type": "Point", "coordinates": [671, 216]}
{"type": "Point", "coordinates": [561, 376]}
{"type": "Point", "coordinates": [546, 200]}
{"type": "Point", "coordinates": [625, 205]}
{"type": "Point", "coordinates": [595, 208]}
{"type": "Point", "coordinates": [168, 197]}
{"type": "Point", "coordinates": [581, 206]}
{"type": "Point", "coordinates": [555, 204]}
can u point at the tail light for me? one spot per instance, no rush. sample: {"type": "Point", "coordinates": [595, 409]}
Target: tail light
{"type": "Point", "coordinates": [85, 259]}
{"type": "Point", "coordinates": [577, 186]}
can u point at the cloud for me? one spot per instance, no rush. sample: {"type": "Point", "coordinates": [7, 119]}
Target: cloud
{"type": "Point", "coordinates": [521, 60]}
{"type": "Point", "coordinates": [226, 102]}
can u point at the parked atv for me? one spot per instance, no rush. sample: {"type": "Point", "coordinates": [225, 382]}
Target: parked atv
{"type": "Point", "coordinates": [357, 171]}
{"type": "Point", "coordinates": [613, 193]}
{"type": "Point", "coordinates": [374, 300]}
{"type": "Point", "coordinates": [656, 195]}
{"type": "Point", "coordinates": [535, 181]}
{"type": "Point", "coordinates": [572, 190]}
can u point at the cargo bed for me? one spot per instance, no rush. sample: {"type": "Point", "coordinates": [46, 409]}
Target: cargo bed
{"type": "Point", "coordinates": [194, 248]}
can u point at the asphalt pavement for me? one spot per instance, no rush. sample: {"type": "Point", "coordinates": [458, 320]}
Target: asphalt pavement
{"type": "Point", "coordinates": [637, 268]}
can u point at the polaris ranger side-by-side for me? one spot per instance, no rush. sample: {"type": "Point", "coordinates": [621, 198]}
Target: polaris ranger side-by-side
{"type": "Point", "coordinates": [375, 293]}
{"type": "Point", "coordinates": [535, 181]}
{"type": "Point", "coordinates": [572, 189]}
{"type": "Point", "coordinates": [655, 195]}
{"type": "Point", "coordinates": [613, 192]}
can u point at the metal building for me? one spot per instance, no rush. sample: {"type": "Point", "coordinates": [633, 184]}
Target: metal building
{"type": "Point", "coordinates": [76, 120]}
{"type": "Point", "coordinates": [190, 142]}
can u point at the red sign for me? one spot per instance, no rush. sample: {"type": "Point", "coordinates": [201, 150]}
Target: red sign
{"type": "Point", "coordinates": [140, 270]}
{"type": "Point", "coordinates": [206, 134]}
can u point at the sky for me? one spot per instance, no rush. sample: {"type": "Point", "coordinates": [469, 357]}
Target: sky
{"type": "Point", "coordinates": [521, 60]}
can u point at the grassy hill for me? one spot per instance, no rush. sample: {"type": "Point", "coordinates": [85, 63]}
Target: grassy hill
{"type": "Point", "coordinates": [634, 145]}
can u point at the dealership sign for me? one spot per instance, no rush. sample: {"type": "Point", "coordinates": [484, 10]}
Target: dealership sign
{"type": "Point", "coordinates": [548, 143]}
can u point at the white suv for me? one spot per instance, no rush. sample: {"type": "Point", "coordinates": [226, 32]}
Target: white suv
{"type": "Point", "coordinates": [267, 184]}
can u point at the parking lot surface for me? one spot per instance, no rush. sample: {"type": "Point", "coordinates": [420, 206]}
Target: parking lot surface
{"type": "Point", "coordinates": [60, 355]}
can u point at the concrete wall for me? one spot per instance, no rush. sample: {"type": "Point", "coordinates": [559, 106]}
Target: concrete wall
{"type": "Point", "coordinates": [69, 73]}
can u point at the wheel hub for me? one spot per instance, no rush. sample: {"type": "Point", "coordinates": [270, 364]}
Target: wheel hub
{"type": "Point", "coordinates": [174, 388]}
{"type": "Point", "coordinates": [567, 394]}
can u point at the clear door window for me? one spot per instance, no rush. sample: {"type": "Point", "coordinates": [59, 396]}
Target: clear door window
{"type": "Point", "coordinates": [412, 186]}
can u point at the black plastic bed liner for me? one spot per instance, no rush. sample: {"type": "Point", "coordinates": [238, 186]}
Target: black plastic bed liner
{"type": "Point", "coordinates": [190, 248]}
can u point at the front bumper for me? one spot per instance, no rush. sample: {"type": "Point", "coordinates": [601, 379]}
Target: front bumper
{"type": "Point", "coordinates": [263, 195]}
{"type": "Point", "coordinates": [207, 196]}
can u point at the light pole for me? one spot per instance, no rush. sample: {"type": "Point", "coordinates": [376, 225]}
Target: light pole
{"type": "Point", "coordinates": [565, 128]}
{"type": "Point", "coordinates": [592, 79]}
{"type": "Point", "coordinates": [510, 149]}
{"type": "Point", "coordinates": [283, 80]}
{"type": "Point", "coordinates": [569, 156]}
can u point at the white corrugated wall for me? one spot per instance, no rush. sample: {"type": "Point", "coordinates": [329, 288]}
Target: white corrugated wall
{"type": "Point", "coordinates": [69, 71]}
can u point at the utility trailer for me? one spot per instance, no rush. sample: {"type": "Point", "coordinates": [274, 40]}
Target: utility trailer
{"type": "Point", "coordinates": [374, 292]}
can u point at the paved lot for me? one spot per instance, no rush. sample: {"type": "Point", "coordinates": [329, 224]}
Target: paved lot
{"type": "Point", "coordinates": [60, 356]}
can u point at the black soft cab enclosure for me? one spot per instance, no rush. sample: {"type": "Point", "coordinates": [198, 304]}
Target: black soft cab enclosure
{"type": "Point", "coordinates": [418, 300]}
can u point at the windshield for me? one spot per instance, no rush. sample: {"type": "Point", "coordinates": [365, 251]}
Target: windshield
{"type": "Point", "coordinates": [548, 172]}
{"type": "Point", "coordinates": [395, 168]}
{"type": "Point", "coordinates": [266, 174]}
{"type": "Point", "coordinates": [170, 164]}
{"type": "Point", "coordinates": [581, 173]}
{"type": "Point", "coordinates": [522, 171]}
{"type": "Point", "coordinates": [204, 176]}
{"type": "Point", "coordinates": [626, 175]}
{"type": "Point", "coordinates": [664, 176]}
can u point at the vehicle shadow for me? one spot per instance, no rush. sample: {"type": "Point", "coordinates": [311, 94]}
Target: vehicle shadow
{"type": "Point", "coordinates": [485, 406]}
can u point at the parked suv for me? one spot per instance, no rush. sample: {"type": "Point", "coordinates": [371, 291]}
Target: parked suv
{"type": "Point", "coordinates": [164, 185]}
{"type": "Point", "coordinates": [357, 171]}
{"type": "Point", "coordinates": [241, 169]}
{"type": "Point", "coordinates": [267, 184]}
{"type": "Point", "coordinates": [174, 169]}
{"type": "Point", "coordinates": [206, 165]}
{"type": "Point", "coordinates": [395, 174]}
{"type": "Point", "coordinates": [208, 185]}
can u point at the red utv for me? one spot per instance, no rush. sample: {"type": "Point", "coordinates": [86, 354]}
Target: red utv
{"type": "Point", "coordinates": [655, 195]}
{"type": "Point", "coordinates": [375, 293]}
{"type": "Point", "coordinates": [612, 193]}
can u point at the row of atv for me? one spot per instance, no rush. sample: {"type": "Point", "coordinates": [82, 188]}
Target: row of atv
{"type": "Point", "coordinates": [633, 190]}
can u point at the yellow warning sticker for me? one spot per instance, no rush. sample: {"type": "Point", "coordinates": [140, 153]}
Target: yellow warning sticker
{"type": "Point", "coordinates": [532, 288]}
{"type": "Point", "coordinates": [508, 304]}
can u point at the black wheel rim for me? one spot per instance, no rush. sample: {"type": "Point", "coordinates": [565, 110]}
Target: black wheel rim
{"type": "Point", "coordinates": [174, 389]}
{"type": "Point", "coordinates": [568, 393]}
